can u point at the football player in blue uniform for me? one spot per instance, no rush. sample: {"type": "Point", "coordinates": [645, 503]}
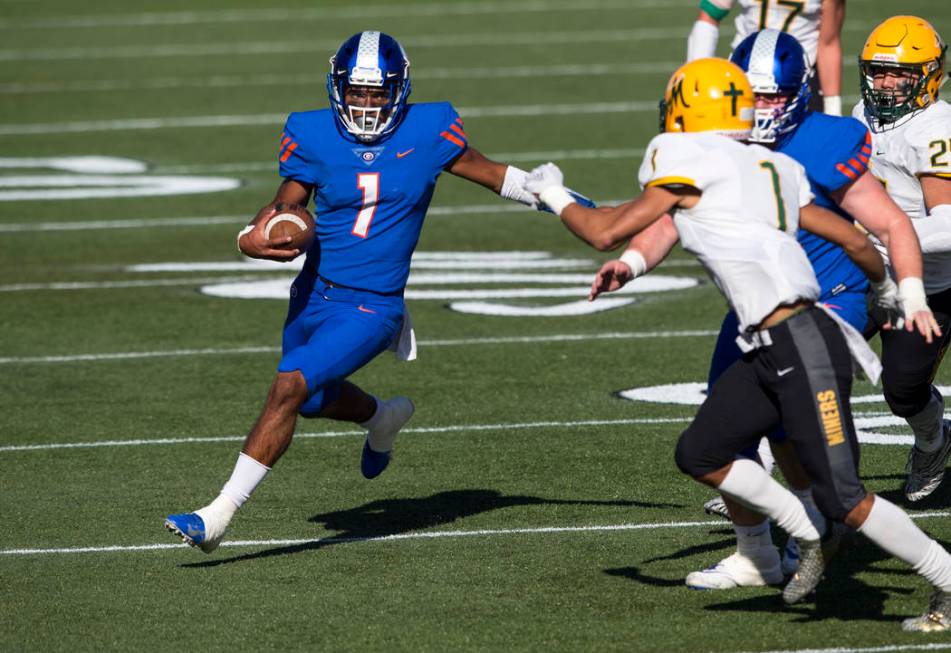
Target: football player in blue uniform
{"type": "Point", "coordinates": [371, 161]}
{"type": "Point", "coordinates": [835, 153]}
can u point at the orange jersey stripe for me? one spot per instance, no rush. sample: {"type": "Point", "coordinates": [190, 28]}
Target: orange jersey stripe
{"type": "Point", "coordinates": [862, 158]}
{"type": "Point", "coordinates": [287, 153]}
{"type": "Point", "coordinates": [858, 167]}
{"type": "Point", "coordinates": [845, 171]}
{"type": "Point", "coordinates": [285, 140]}
{"type": "Point", "coordinates": [458, 130]}
{"type": "Point", "coordinates": [452, 139]}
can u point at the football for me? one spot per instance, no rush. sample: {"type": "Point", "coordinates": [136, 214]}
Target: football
{"type": "Point", "coordinates": [291, 220]}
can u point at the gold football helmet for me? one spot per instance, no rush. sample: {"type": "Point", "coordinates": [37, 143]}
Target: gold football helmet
{"type": "Point", "coordinates": [708, 95]}
{"type": "Point", "coordinates": [906, 55]}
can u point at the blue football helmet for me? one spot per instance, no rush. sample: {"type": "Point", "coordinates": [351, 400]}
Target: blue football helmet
{"type": "Point", "coordinates": [376, 61]}
{"type": "Point", "coordinates": [775, 63]}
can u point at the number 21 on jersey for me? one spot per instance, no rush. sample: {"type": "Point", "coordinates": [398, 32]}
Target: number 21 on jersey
{"type": "Point", "coordinates": [369, 183]}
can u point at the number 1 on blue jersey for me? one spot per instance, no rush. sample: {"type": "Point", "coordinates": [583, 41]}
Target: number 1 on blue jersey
{"type": "Point", "coordinates": [369, 183]}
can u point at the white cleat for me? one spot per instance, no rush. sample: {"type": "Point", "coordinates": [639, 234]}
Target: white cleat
{"type": "Point", "coordinates": [198, 529]}
{"type": "Point", "coordinates": [739, 570]}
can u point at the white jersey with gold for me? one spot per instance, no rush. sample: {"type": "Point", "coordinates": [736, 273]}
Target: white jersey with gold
{"type": "Point", "coordinates": [919, 145]}
{"type": "Point", "coordinates": [743, 229]}
{"type": "Point", "coordinates": [797, 17]}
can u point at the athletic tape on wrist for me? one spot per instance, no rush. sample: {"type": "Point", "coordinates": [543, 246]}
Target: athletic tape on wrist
{"type": "Point", "coordinates": [557, 198]}
{"type": "Point", "coordinates": [634, 260]}
{"type": "Point", "coordinates": [911, 290]}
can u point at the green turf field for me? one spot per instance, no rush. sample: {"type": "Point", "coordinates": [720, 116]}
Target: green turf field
{"type": "Point", "coordinates": [528, 507]}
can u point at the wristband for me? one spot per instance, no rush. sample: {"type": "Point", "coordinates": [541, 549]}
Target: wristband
{"type": "Point", "coordinates": [911, 290]}
{"type": "Point", "coordinates": [832, 105]}
{"type": "Point", "coordinates": [557, 198]}
{"type": "Point", "coordinates": [634, 260]}
{"type": "Point", "coordinates": [244, 231]}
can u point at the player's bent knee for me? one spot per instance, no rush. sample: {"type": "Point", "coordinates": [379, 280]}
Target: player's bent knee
{"type": "Point", "coordinates": [690, 458]}
{"type": "Point", "coordinates": [288, 391]}
{"type": "Point", "coordinates": [905, 401]}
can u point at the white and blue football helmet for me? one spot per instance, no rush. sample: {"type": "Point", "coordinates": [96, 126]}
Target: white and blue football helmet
{"type": "Point", "coordinates": [375, 60]}
{"type": "Point", "coordinates": [775, 62]}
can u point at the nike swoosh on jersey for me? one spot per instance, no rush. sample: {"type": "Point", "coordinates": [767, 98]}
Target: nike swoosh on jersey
{"type": "Point", "coordinates": [784, 371]}
{"type": "Point", "coordinates": [365, 310]}
{"type": "Point", "coordinates": [400, 155]}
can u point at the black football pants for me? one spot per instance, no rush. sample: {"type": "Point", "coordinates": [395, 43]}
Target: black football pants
{"type": "Point", "coordinates": [803, 380]}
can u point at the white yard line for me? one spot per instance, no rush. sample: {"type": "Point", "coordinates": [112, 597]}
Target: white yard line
{"type": "Point", "coordinates": [244, 81]}
{"type": "Point", "coordinates": [299, 14]}
{"type": "Point", "coordinates": [451, 428]}
{"type": "Point", "coordinates": [450, 342]}
{"type": "Point", "coordinates": [426, 535]}
{"type": "Point", "coordinates": [583, 110]}
{"type": "Point", "coordinates": [324, 46]}
{"type": "Point", "coordinates": [893, 648]}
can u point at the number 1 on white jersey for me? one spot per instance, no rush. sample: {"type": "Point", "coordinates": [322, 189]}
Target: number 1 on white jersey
{"type": "Point", "coordinates": [370, 184]}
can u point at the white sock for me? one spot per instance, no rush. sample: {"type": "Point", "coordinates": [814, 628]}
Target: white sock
{"type": "Point", "coordinates": [374, 420]}
{"type": "Point", "coordinates": [378, 443]}
{"type": "Point", "coordinates": [766, 456]}
{"type": "Point", "coordinates": [928, 423]}
{"type": "Point", "coordinates": [217, 515]}
{"type": "Point", "coordinates": [749, 484]}
{"type": "Point", "coordinates": [751, 538]}
{"type": "Point", "coordinates": [891, 528]}
{"type": "Point", "coordinates": [247, 474]}
{"type": "Point", "coordinates": [815, 516]}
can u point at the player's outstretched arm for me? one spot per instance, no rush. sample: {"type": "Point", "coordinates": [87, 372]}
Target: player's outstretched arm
{"type": "Point", "coordinates": [505, 180]}
{"type": "Point", "coordinates": [829, 55]}
{"type": "Point", "coordinates": [865, 200]}
{"type": "Point", "coordinates": [644, 252]}
{"type": "Point", "coordinates": [251, 239]}
{"type": "Point", "coordinates": [604, 228]}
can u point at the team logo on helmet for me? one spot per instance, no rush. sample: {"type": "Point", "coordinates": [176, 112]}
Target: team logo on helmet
{"type": "Point", "coordinates": [775, 65]}
{"type": "Point", "coordinates": [708, 95]}
{"type": "Point", "coordinates": [375, 65]}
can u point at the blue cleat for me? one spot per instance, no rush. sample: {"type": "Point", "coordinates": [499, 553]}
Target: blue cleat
{"type": "Point", "coordinates": [372, 463]}
{"type": "Point", "coordinates": [191, 528]}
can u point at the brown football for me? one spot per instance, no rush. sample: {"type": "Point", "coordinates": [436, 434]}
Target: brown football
{"type": "Point", "coordinates": [291, 220]}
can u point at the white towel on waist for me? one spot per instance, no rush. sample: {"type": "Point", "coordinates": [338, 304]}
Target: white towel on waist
{"type": "Point", "coordinates": [404, 344]}
{"type": "Point", "coordinates": [862, 355]}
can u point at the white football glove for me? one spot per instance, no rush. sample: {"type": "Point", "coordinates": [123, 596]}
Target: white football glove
{"type": "Point", "coordinates": [886, 303]}
{"type": "Point", "coordinates": [547, 183]}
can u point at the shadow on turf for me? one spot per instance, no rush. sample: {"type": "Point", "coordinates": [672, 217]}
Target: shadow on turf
{"type": "Point", "coordinates": [388, 517]}
{"type": "Point", "coordinates": [839, 596]}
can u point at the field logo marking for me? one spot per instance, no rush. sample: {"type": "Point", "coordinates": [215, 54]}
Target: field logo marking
{"type": "Point", "coordinates": [98, 177]}
{"type": "Point", "coordinates": [526, 275]}
{"type": "Point", "coordinates": [694, 394]}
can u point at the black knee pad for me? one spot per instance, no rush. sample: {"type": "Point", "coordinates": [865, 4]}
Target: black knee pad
{"type": "Point", "coordinates": [692, 457]}
{"type": "Point", "coordinates": [904, 397]}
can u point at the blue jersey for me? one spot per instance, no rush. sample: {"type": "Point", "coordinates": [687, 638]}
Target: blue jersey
{"type": "Point", "coordinates": [370, 199]}
{"type": "Point", "coordinates": [834, 151]}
